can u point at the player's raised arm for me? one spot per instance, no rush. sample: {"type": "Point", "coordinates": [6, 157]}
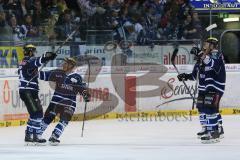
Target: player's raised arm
{"type": "Point", "coordinates": [30, 50]}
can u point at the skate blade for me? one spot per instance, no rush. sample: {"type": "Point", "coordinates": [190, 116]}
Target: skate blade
{"type": "Point", "coordinates": [211, 141]}
{"type": "Point", "coordinates": [29, 144]}
{"type": "Point", "coordinates": [54, 143]}
{"type": "Point", "coordinates": [199, 137]}
{"type": "Point", "coordinates": [40, 144]}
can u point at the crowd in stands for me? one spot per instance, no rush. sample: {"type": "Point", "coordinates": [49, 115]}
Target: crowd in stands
{"type": "Point", "coordinates": [141, 21]}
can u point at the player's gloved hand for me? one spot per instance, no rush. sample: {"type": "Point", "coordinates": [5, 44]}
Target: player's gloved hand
{"type": "Point", "coordinates": [183, 77]}
{"type": "Point", "coordinates": [195, 51]}
{"type": "Point", "coordinates": [49, 56]}
{"type": "Point", "coordinates": [86, 96]}
{"type": "Point", "coordinates": [197, 54]}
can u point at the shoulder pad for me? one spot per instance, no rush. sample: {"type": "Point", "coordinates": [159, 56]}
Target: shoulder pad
{"type": "Point", "coordinates": [215, 55]}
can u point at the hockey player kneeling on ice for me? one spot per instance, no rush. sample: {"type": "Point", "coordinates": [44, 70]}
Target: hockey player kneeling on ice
{"type": "Point", "coordinates": [67, 85]}
{"type": "Point", "coordinates": [212, 77]}
{"type": "Point", "coordinates": [28, 68]}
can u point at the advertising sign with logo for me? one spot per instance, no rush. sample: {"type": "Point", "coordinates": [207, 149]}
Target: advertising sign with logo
{"type": "Point", "coordinates": [183, 56]}
{"type": "Point", "coordinates": [121, 93]}
{"type": "Point", "coordinates": [216, 5]}
{"type": "Point", "coordinates": [157, 54]}
{"type": "Point", "coordinates": [10, 56]}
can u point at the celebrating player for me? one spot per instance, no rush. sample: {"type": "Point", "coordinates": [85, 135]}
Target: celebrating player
{"type": "Point", "coordinates": [63, 102]}
{"type": "Point", "coordinates": [212, 77]}
{"type": "Point", "coordinates": [28, 91]}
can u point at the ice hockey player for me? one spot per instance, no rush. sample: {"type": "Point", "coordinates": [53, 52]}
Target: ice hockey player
{"type": "Point", "coordinates": [68, 85]}
{"type": "Point", "coordinates": [28, 68]}
{"type": "Point", "coordinates": [212, 77]}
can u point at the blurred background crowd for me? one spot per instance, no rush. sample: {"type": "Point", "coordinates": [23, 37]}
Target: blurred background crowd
{"type": "Point", "coordinates": [140, 21]}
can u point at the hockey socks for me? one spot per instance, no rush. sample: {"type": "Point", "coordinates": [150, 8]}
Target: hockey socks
{"type": "Point", "coordinates": [202, 119]}
{"type": "Point", "coordinates": [33, 130]}
{"type": "Point", "coordinates": [212, 135]}
{"type": "Point", "coordinates": [57, 132]}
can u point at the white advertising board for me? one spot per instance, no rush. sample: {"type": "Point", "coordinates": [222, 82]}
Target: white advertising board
{"type": "Point", "coordinates": [121, 92]}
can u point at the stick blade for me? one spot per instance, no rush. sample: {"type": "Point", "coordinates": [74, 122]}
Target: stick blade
{"type": "Point", "coordinates": [211, 27]}
{"type": "Point", "coordinates": [174, 55]}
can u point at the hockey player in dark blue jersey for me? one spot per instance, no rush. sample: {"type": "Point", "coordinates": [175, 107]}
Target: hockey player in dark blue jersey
{"type": "Point", "coordinates": [68, 85]}
{"type": "Point", "coordinates": [28, 91]}
{"type": "Point", "coordinates": [212, 77]}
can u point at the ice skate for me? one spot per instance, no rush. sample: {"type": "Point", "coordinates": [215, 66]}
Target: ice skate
{"type": "Point", "coordinates": [28, 139]}
{"type": "Point", "coordinates": [221, 132]}
{"type": "Point", "coordinates": [202, 132]}
{"type": "Point", "coordinates": [210, 137]}
{"type": "Point", "coordinates": [38, 141]}
{"type": "Point", "coordinates": [53, 141]}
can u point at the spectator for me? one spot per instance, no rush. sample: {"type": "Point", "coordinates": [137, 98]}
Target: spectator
{"type": "Point", "coordinates": [165, 26]}
{"type": "Point", "coordinates": [157, 19]}
{"type": "Point", "coordinates": [50, 27]}
{"type": "Point", "coordinates": [122, 26]}
{"type": "Point", "coordinates": [38, 13]}
{"type": "Point", "coordinates": [139, 30]}
{"type": "Point", "coordinates": [197, 24]}
{"type": "Point", "coordinates": [65, 26]}
{"type": "Point", "coordinates": [88, 8]}
{"type": "Point", "coordinates": [62, 5]}
{"type": "Point", "coordinates": [130, 33]}
{"type": "Point", "coordinates": [150, 21]}
{"type": "Point", "coordinates": [124, 13]}
{"type": "Point", "coordinates": [30, 29]}
{"type": "Point", "coordinates": [23, 8]}
{"type": "Point", "coordinates": [19, 8]}
{"type": "Point", "coordinates": [157, 6]}
{"type": "Point", "coordinates": [54, 8]}
{"type": "Point", "coordinates": [184, 9]}
{"type": "Point", "coordinates": [5, 29]}
{"type": "Point", "coordinates": [18, 32]}
{"type": "Point", "coordinates": [190, 32]}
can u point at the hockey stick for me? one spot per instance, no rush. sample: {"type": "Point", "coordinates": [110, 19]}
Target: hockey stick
{"type": "Point", "coordinates": [44, 65]}
{"type": "Point", "coordinates": [175, 52]}
{"type": "Point", "coordinates": [85, 107]}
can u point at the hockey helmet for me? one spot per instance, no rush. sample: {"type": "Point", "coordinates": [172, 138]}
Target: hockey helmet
{"type": "Point", "coordinates": [71, 61]}
{"type": "Point", "coordinates": [29, 50]}
{"type": "Point", "coordinates": [212, 40]}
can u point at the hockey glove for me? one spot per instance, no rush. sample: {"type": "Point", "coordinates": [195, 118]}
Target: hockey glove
{"type": "Point", "coordinates": [184, 77]}
{"type": "Point", "coordinates": [49, 56]}
{"type": "Point", "coordinates": [197, 54]}
{"type": "Point", "coordinates": [195, 51]}
{"type": "Point", "coordinates": [86, 96]}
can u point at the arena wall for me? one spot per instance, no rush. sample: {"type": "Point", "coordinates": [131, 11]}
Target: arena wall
{"type": "Point", "coordinates": [121, 92]}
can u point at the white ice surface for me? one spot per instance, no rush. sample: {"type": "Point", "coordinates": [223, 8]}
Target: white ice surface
{"type": "Point", "coordinates": [115, 140]}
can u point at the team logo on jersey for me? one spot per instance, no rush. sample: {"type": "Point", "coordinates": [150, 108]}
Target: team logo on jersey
{"type": "Point", "coordinates": [202, 75]}
{"type": "Point", "coordinates": [73, 80]}
{"type": "Point", "coordinates": [67, 87]}
{"type": "Point", "coordinates": [208, 69]}
{"type": "Point", "coordinates": [59, 76]}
